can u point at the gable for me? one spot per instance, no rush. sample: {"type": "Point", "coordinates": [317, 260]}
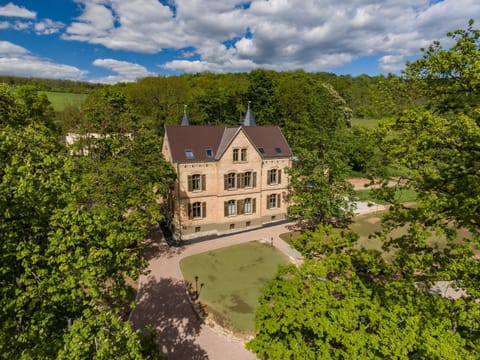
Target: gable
{"type": "Point", "coordinates": [240, 140]}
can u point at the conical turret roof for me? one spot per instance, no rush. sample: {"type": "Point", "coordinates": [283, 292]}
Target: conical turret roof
{"type": "Point", "coordinates": [185, 121]}
{"type": "Point", "coordinates": [249, 120]}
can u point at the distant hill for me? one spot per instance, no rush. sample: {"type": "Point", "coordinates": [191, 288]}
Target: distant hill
{"type": "Point", "coordinates": [54, 85]}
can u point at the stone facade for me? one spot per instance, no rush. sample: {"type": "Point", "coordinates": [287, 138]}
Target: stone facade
{"type": "Point", "coordinates": [240, 186]}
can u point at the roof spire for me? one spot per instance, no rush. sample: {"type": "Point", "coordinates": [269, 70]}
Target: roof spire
{"type": "Point", "coordinates": [185, 121]}
{"type": "Point", "coordinates": [249, 120]}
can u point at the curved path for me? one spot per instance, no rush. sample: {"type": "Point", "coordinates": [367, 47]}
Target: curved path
{"type": "Point", "coordinates": [162, 300]}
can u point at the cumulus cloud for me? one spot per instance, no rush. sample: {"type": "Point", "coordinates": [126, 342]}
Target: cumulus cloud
{"type": "Point", "coordinates": [47, 27]}
{"type": "Point", "coordinates": [7, 48]}
{"type": "Point", "coordinates": [392, 63]}
{"type": "Point", "coordinates": [232, 35]}
{"type": "Point", "coordinates": [42, 27]}
{"type": "Point", "coordinates": [12, 10]}
{"type": "Point", "coordinates": [125, 71]}
{"type": "Point", "coordinates": [17, 61]}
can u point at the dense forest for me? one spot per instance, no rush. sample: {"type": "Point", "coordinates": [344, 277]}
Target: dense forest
{"type": "Point", "coordinates": [72, 227]}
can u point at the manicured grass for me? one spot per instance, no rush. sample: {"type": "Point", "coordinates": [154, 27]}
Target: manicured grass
{"type": "Point", "coordinates": [61, 100]}
{"type": "Point", "coordinates": [403, 195]}
{"type": "Point", "coordinates": [366, 122]}
{"type": "Point", "coordinates": [233, 279]}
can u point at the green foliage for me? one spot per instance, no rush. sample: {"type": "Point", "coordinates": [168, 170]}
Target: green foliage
{"type": "Point", "coordinates": [451, 76]}
{"type": "Point", "coordinates": [71, 237]}
{"type": "Point", "coordinates": [24, 105]}
{"type": "Point", "coordinates": [331, 309]}
{"type": "Point", "coordinates": [108, 110]}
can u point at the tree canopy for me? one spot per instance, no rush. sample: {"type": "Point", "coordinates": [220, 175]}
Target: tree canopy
{"type": "Point", "coordinates": [71, 230]}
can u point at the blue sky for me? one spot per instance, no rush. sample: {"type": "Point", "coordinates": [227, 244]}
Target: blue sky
{"type": "Point", "coordinates": [121, 40]}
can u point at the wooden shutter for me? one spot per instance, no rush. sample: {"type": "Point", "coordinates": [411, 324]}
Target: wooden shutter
{"type": "Point", "coordinates": [204, 209]}
{"type": "Point", "coordinates": [190, 185]}
{"type": "Point", "coordinates": [268, 177]}
{"type": "Point", "coordinates": [254, 179]}
{"type": "Point", "coordinates": [279, 200]}
{"type": "Point", "coordinates": [225, 181]}
{"type": "Point", "coordinates": [204, 182]}
{"type": "Point", "coordinates": [240, 208]}
{"type": "Point", "coordinates": [239, 180]}
{"type": "Point", "coordinates": [254, 205]}
{"type": "Point", "coordinates": [190, 211]}
{"type": "Point", "coordinates": [279, 176]}
{"type": "Point", "coordinates": [225, 208]}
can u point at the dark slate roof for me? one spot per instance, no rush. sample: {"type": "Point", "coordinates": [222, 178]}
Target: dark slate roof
{"type": "Point", "coordinates": [218, 138]}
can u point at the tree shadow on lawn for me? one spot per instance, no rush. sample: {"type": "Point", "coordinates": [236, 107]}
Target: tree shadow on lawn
{"type": "Point", "coordinates": [165, 305]}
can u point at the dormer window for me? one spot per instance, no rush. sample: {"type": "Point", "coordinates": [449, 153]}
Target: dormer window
{"type": "Point", "coordinates": [278, 150]}
{"type": "Point", "coordinates": [189, 154]}
{"type": "Point", "coordinates": [209, 153]}
{"type": "Point", "coordinates": [262, 150]}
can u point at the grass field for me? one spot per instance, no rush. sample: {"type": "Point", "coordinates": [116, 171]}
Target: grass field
{"type": "Point", "coordinates": [61, 100]}
{"type": "Point", "coordinates": [233, 279]}
{"type": "Point", "coordinates": [366, 122]}
{"type": "Point", "coordinates": [403, 195]}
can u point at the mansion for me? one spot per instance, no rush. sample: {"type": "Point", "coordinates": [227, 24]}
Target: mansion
{"type": "Point", "coordinates": [229, 178]}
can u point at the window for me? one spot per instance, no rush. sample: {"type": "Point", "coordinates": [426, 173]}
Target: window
{"type": "Point", "coordinates": [230, 208]}
{"type": "Point", "coordinates": [248, 223]}
{"type": "Point", "coordinates": [209, 153]}
{"type": "Point", "coordinates": [229, 181]}
{"type": "Point", "coordinates": [197, 210]}
{"type": "Point", "coordinates": [239, 155]}
{"type": "Point", "coordinates": [247, 206]}
{"type": "Point", "coordinates": [262, 150]}
{"type": "Point", "coordinates": [232, 226]}
{"type": "Point", "coordinates": [189, 154]}
{"type": "Point", "coordinates": [243, 154]}
{"type": "Point", "coordinates": [240, 180]}
{"type": "Point", "coordinates": [247, 179]}
{"type": "Point", "coordinates": [274, 176]}
{"type": "Point", "coordinates": [278, 150]}
{"type": "Point", "coordinates": [273, 201]}
{"type": "Point", "coordinates": [196, 182]}
{"type": "Point", "coordinates": [198, 228]}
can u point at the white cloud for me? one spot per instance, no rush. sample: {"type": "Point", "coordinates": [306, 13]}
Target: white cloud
{"type": "Point", "coordinates": [316, 35]}
{"type": "Point", "coordinates": [17, 61]}
{"type": "Point", "coordinates": [12, 10]}
{"type": "Point", "coordinates": [392, 63]}
{"type": "Point", "coordinates": [48, 27]}
{"type": "Point", "coordinates": [7, 48]}
{"type": "Point", "coordinates": [125, 71]}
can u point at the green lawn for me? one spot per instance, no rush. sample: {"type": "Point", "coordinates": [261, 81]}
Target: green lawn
{"type": "Point", "coordinates": [233, 279]}
{"type": "Point", "coordinates": [366, 122]}
{"type": "Point", "coordinates": [403, 195]}
{"type": "Point", "coordinates": [61, 100]}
